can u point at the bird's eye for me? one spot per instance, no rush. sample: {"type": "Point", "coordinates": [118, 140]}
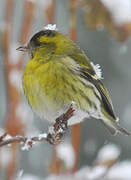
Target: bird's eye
{"type": "Point", "coordinates": [43, 43]}
{"type": "Point", "coordinates": [37, 43]}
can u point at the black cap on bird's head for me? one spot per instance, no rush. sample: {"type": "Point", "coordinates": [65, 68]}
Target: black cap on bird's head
{"type": "Point", "coordinates": [49, 40]}
{"type": "Point", "coordinates": [40, 38]}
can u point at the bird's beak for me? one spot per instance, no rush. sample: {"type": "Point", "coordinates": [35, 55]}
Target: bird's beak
{"type": "Point", "coordinates": [22, 48]}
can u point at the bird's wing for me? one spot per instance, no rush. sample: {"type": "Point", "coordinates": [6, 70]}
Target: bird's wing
{"type": "Point", "coordinates": [88, 73]}
{"type": "Point", "coordinates": [82, 60]}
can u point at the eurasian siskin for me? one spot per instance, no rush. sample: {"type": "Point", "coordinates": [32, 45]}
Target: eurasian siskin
{"type": "Point", "coordinates": [58, 73]}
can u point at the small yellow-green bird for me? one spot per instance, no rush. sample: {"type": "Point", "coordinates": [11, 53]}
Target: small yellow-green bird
{"type": "Point", "coordinates": [59, 73]}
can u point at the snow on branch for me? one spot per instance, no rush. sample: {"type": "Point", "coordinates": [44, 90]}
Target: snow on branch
{"type": "Point", "coordinates": [54, 135]}
{"type": "Point", "coordinates": [19, 139]}
{"type": "Point", "coordinates": [120, 10]}
{"type": "Point", "coordinates": [105, 167]}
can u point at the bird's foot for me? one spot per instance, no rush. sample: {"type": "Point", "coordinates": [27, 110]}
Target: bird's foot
{"type": "Point", "coordinates": [60, 127]}
{"type": "Point", "coordinates": [62, 121]}
{"type": "Point", "coordinates": [55, 139]}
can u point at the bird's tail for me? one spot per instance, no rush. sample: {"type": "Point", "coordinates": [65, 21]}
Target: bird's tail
{"type": "Point", "coordinates": [114, 127]}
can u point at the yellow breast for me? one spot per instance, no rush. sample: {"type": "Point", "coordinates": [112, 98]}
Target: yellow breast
{"type": "Point", "coordinates": [50, 87]}
{"type": "Point", "coordinates": [47, 87]}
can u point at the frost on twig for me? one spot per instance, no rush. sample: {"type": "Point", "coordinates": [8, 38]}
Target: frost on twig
{"type": "Point", "coordinates": [108, 155]}
{"type": "Point", "coordinates": [65, 153]}
{"type": "Point", "coordinates": [54, 135]}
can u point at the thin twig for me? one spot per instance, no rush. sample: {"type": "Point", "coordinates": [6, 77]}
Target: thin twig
{"type": "Point", "coordinates": [54, 136]}
{"type": "Point", "coordinates": [18, 139]}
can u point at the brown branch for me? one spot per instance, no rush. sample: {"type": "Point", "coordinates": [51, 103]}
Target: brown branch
{"type": "Point", "coordinates": [75, 128]}
{"type": "Point", "coordinates": [50, 12]}
{"type": "Point", "coordinates": [13, 123]}
{"type": "Point", "coordinates": [29, 10]}
{"type": "Point", "coordinates": [11, 94]}
{"type": "Point", "coordinates": [54, 136]}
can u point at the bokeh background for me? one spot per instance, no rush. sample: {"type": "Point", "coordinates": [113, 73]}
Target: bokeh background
{"type": "Point", "coordinates": [102, 30]}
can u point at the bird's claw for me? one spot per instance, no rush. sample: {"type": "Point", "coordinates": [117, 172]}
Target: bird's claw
{"type": "Point", "coordinates": [60, 127]}
{"type": "Point", "coordinates": [54, 139]}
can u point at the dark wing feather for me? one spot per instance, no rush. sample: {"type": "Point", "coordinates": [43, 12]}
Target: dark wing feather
{"type": "Point", "coordinates": [87, 72]}
{"type": "Point", "coordinates": [106, 101]}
